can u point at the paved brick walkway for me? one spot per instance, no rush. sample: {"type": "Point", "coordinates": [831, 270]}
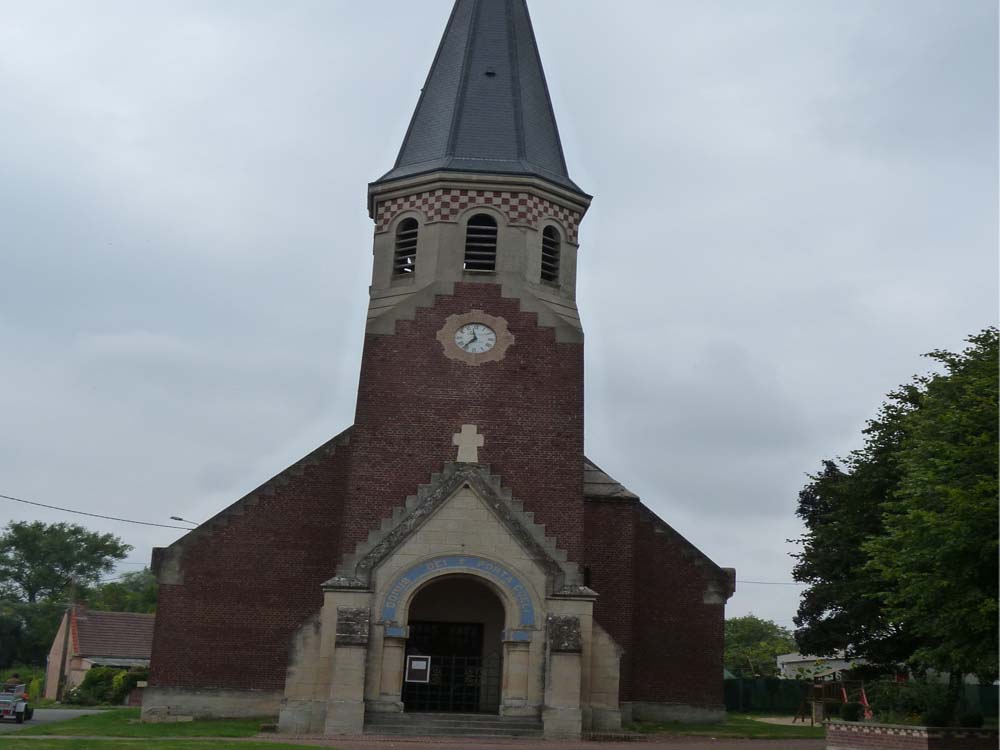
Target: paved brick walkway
{"type": "Point", "coordinates": [662, 742]}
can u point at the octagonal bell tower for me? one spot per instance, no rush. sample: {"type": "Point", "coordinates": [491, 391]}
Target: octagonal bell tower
{"type": "Point", "coordinates": [473, 317]}
{"type": "Point", "coordinates": [483, 140]}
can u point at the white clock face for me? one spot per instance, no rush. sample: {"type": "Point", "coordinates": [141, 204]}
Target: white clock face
{"type": "Point", "coordinates": [475, 338]}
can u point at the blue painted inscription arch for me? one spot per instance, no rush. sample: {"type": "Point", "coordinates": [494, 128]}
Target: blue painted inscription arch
{"type": "Point", "coordinates": [405, 582]}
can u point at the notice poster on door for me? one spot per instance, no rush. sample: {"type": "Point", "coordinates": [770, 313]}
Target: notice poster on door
{"type": "Point", "coordinates": [418, 669]}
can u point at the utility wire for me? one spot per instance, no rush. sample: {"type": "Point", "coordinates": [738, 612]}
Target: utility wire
{"type": "Point", "coordinates": [94, 515]}
{"type": "Point", "coordinates": [185, 528]}
{"type": "Point", "coordinates": [774, 583]}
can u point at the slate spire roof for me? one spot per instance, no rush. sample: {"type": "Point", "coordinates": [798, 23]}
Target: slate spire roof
{"type": "Point", "coordinates": [485, 106]}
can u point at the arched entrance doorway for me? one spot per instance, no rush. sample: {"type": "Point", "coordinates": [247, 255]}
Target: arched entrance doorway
{"type": "Point", "coordinates": [456, 621]}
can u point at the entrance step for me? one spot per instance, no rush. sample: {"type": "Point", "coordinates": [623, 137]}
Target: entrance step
{"type": "Point", "coordinates": [451, 725]}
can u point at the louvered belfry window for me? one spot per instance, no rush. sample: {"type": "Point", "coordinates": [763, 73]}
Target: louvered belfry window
{"type": "Point", "coordinates": [551, 246]}
{"type": "Point", "coordinates": [404, 260]}
{"type": "Point", "coordinates": [481, 243]}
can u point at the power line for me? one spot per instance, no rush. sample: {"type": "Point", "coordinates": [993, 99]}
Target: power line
{"type": "Point", "coordinates": [93, 515]}
{"type": "Point", "coordinates": [185, 528]}
{"type": "Point", "coordinates": [774, 583]}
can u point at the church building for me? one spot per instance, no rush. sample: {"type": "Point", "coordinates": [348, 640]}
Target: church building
{"type": "Point", "coordinates": [453, 551]}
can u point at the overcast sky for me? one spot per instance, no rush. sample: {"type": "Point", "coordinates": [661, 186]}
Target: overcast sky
{"type": "Point", "coordinates": [793, 201]}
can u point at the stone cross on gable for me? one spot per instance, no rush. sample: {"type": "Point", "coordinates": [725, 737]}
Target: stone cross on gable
{"type": "Point", "coordinates": [468, 443]}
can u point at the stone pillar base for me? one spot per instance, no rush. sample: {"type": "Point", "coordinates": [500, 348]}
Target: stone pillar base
{"type": "Point", "coordinates": [562, 723]}
{"type": "Point", "coordinates": [345, 719]}
{"type": "Point", "coordinates": [605, 719]}
{"type": "Point", "coordinates": [302, 717]}
{"type": "Point", "coordinates": [519, 710]}
{"type": "Point", "coordinates": [385, 707]}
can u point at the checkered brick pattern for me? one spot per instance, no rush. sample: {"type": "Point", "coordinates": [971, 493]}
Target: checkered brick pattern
{"type": "Point", "coordinates": [868, 736]}
{"type": "Point", "coordinates": [445, 204]}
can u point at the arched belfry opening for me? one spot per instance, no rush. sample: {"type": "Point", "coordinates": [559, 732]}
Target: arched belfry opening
{"type": "Point", "coordinates": [456, 622]}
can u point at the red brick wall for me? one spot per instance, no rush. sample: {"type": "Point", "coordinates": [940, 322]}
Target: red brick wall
{"type": "Point", "coordinates": [412, 399]}
{"type": "Point", "coordinates": [679, 639]}
{"type": "Point", "coordinates": [858, 736]}
{"type": "Point", "coordinates": [610, 556]}
{"type": "Point", "coordinates": [249, 585]}
{"type": "Point", "coordinates": [678, 654]}
{"type": "Point", "coordinates": [651, 588]}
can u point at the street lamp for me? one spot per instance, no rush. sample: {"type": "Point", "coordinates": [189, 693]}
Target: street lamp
{"type": "Point", "coordinates": [178, 518]}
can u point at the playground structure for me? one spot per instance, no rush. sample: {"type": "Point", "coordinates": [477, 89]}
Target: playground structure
{"type": "Point", "coordinates": [824, 698]}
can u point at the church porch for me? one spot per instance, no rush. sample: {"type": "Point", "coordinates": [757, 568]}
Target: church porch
{"type": "Point", "coordinates": [463, 611]}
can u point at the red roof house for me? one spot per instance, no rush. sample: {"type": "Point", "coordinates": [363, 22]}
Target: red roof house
{"type": "Point", "coordinates": [89, 638]}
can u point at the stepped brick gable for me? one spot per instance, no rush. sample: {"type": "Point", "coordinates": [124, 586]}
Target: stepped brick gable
{"type": "Point", "coordinates": [453, 551]}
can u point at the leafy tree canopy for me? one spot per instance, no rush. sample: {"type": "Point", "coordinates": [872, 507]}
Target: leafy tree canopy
{"type": "Point", "coordinates": [38, 564]}
{"type": "Point", "coordinates": [27, 630]}
{"type": "Point", "coordinates": [39, 560]}
{"type": "Point", "coordinates": [938, 553]}
{"type": "Point", "coordinates": [752, 644]}
{"type": "Point", "coordinates": [133, 592]}
{"type": "Point", "coordinates": [900, 548]}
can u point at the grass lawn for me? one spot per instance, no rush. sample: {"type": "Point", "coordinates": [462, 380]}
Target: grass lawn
{"type": "Point", "coordinates": [13, 742]}
{"type": "Point", "coordinates": [124, 722]}
{"type": "Point", "coordinates": [736, 725]}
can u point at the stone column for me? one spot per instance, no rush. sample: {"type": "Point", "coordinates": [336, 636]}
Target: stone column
{"type": "Point", "coordinates": [390, 693]}
{"type": "Point", "coordinates": [605, 670]}
{"type": "Point", "coordinates": [345, 712]}
{"type": "Point", "coordinates": [516, 665]}
{"type": "Point", "coordinates": [561, 716]}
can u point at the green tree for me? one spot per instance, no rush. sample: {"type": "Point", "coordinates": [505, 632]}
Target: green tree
{"type": "Point", "coordinates": [11, 628]}
{"type": "Point", "coordinates": [842, 508]}
{"type": "Point", "coordinates": [27, 630]}
{"type": "Point", "coordinates": [938, 553]}
{"type": "Point", "coordinates": [39, 560]}
{"type": "Point", "coordinates": [752, 644]}
{"type": "Point", "coordinates": [133, 592]}
{"type": "Point", "coordinates": [900, 548]}
{"type": "Point", "coordinates": [38, 564]}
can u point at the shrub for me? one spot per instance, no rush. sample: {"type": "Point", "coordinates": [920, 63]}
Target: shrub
{"type": "Point", "coordinates": [118, 689]}
{"type": "Point", "coordinates": [914, 701]}
{"type": "Point", "coordinates": [852, 711]}
{"type": "Point", "coordinates": [24, 672]}
{"type": "Point", "coordinates": [971, 719]}
{"type": "Point", "coordinates": [97, 687]}
{"type": "Point", "coordinates": [35, 690]}
{"type": "Point", "coordinates": [123, 683]}
{"type": "Point", "coordinates": [936, 716]}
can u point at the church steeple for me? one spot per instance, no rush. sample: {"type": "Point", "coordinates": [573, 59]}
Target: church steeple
{"type": "Point", "coordinates": [485, 106]}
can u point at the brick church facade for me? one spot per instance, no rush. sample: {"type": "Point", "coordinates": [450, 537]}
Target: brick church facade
{"type": "Point", "coordinates": [452, 550]}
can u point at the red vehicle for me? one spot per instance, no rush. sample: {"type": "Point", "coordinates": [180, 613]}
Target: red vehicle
{"type": "Point", "coordinates": [14, 703]}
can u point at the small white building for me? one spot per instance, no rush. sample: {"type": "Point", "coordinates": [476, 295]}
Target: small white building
{"type": "Point", "coordinates": [797, 666]}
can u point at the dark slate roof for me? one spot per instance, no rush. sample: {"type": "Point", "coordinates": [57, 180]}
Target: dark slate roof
{"type": "Point", "coordinates": [125, 635]}
{"type": "Point", "coordinates": [485, 106]}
